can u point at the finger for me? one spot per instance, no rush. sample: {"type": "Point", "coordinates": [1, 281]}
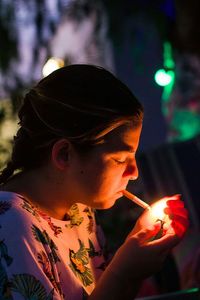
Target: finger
{"type": "Point", "coordinates": [175, 203]}
{"type": "Point", "coordinates": [181, 211]}
{"type": "Point", "coordinates": [172, 198]}
{"type": "Point", "coordinates": [179, 228]}
{"type": "Point", "coordinates": [165, 243]}
{"type": "Point", "coordinates": [180, 220]}
{"type": "Point", "coordinates": [148, 233]}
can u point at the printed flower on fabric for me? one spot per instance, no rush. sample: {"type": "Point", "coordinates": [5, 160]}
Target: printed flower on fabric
{"type": "Point", "coordinates": [4, 206]}
{"type": "Point", "coordinates": [31, 209]}
{"type": "Point", "coordinates": [24, 284]}
{"type": "Point", "coordinates": [74, 216]}
{"type": "Point", "coordinates": [56, 229]}
{"type": "Point", "coordinates": [30, 287]}
{"type": "Point", "coordinates": [49, 258]}
{"type": "Point", "coordinates": [49, 245]}
{"type": "Point", "coordinates": [5, 259]}
{"type": "Point", "coordinates": [50, 271]}
{"type": "Point", "coordinates": [91, 250]}
{"type": "Point", "coordinates": [90, 215]}
{"type": "Point", "coordinates": [4, 253]}
{"type": "Point", "coordinates": [78, 263]}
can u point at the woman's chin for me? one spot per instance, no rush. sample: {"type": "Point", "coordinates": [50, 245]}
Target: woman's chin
{"type": "Point", "coordinates": [106, 206]}
{"type": "Point", "coordinates": [108, 203]}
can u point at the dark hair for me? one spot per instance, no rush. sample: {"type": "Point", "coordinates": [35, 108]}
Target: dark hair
{"type": "Point", "coordinates": [80, 102]}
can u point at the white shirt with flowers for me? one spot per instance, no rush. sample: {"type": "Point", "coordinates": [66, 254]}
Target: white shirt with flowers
{"type": "Point", "coordinates": [43, 258]}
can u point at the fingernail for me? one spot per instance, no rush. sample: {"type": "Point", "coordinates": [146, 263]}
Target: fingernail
{"type": "Point", "coordinates": [177, 196]}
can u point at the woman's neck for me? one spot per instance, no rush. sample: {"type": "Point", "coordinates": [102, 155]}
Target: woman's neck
{"type": "Point", "coordinates": [41, 190]}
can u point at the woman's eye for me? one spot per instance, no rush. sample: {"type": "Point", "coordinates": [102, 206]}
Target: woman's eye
{"type": "Point", "coordinates": [120, 161]}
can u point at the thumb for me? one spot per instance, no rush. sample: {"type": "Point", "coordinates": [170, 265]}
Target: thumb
{"type": "Point", "coordinates": [148, 233]}
{"type": "Point", "coordinates": [165, 243]}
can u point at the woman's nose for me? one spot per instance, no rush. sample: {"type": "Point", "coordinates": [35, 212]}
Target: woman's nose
{"type": "Point", "coordinates": [131, 170]}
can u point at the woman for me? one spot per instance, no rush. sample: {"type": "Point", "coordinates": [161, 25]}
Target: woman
{"type": "Point", "coordinates": [75, 152]}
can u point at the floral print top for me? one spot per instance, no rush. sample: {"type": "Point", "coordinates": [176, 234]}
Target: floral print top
{"type": "Point", "coordinates": [42, 258]}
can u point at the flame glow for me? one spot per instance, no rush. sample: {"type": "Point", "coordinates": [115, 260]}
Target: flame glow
{"type": "Point", "coordinates": [158, 210]}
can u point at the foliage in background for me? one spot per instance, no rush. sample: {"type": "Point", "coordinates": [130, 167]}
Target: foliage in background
{"type": "Point", "coordinates": [8, 49]}
{"type": "Point", "coordinates": [36, 22]}
{"type": "Point", "coordinates": [8, 126]}
{"type": "Point", "coordinates": [176, 21]}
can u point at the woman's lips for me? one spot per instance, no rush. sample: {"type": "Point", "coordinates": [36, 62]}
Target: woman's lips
{"type": "Point", "coordinates": [120, 192]}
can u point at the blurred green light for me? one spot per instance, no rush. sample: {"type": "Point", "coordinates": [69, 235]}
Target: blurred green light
{"type": "Point", "coordinates": [192, 290]}
{"type": "Point", "coordinates": [167, 56]}
{"type": "Point", "coordinates": [185, 123]}
{"type": "Point", "coordinates": [163, 78]}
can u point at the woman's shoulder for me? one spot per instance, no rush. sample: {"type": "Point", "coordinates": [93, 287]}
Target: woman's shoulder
{"type": "Point", "coordinates": [20, 222]}
{"type": "Point", "coordinates": [9, 201]}
{"type": "Point", "coordinates": [16, 211]}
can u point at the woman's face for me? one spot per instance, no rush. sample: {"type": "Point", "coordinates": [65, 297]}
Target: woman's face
{"type": "Point", "coordinates": [99, 179]}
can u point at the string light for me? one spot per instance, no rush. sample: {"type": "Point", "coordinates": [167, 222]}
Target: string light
{"type": "Point", "coordinates": [51, 65]}
{"type": "Point", "coordinates": [165, 77]}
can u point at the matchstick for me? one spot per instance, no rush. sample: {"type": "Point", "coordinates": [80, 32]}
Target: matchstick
{"type": "Point", "coordinates": [135, 199]}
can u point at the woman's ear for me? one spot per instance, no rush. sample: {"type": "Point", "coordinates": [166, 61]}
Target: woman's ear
{"type": "Point", "coordinates": [60, 153]}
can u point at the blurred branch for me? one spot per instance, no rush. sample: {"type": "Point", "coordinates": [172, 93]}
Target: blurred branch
{"type": "Point", "coordinates": [8, 49]}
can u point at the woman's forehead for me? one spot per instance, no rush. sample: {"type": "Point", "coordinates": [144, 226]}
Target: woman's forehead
{"type": "Point", "coordinates": [124, 138]}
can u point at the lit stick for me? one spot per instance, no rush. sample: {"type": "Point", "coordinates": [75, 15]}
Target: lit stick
{"type": "Point", "coordinates": [135, 199]}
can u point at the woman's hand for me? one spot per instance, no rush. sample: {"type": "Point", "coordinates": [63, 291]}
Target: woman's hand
{"type": "Point", "coordinates": [144, 250]}
{"type": "Point", "coordinates": [173, 214]}
{"type": "Point", "coordinates": [138, 258]}
{"type": "Point", "coordinates": [177, 214]}
{"type": "Point", "coordinates": [141, 256]}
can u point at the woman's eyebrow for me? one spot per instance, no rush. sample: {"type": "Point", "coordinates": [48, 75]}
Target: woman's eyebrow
{"type": "Point", "coordinates": [125, 148]}
{"type": "Point", "coordinates": [130, 149]}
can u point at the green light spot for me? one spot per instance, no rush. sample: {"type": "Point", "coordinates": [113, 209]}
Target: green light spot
{"type": "Point", "coordinates": [193, 290]}
{"type": "Point", "coordinates": [167, 56]}
{"type": "Point", "coordinates": [166, 77]}
{"type": "Point", "coordinates": [163, 78]}
{"type": "Point", "coordinates": [186, 124]}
